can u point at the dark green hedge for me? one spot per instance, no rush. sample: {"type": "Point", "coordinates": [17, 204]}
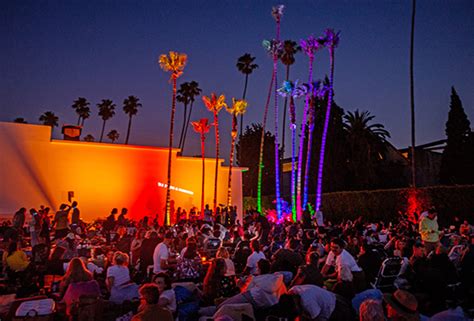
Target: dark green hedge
{"type": "Point", "coordinates": [386, 204]}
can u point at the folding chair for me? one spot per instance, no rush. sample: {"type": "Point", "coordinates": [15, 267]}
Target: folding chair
{"type": "Point", "coordinates": [388, 273]}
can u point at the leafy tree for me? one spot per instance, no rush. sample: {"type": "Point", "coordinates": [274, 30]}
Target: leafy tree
{"type": "Point", "coordinates": [457, 164]}
{"type": "Point", "coordinates": [81, 106]}
{"type": "Point", "coordinates": [106, 111]}
{"type": "Point", "coordinates": [20, 120]}
{"type": "Point", "coordinates": [130, 107]}
{"type": "Point", "coordinates": [49, 119]}
{"type": "Point", "coordinates": [89, 138]}
{"type": "Point", "coordinates": [250, 143]}
{"type": "Point", "coordinates": [113, 135]}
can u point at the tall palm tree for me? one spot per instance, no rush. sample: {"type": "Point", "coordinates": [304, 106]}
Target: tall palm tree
{"type": "Point", "coordinates": [412, 96]}
{"type": "Point", "coordinates": [173, 63]}
{"type": "Point", "coordinates": [277, 13]}
{"type": "Point", "coordinates": [113, 135]}
{"type": "Point", "coordinates": [202, 127]}
{"type": "Point", "coordinates": [130, 107]}
{"type": "Point", "coordinates": [317, 93]}
{"type": "Point", "coordinates": [79, 105]}
{"type": "Point", "coordinates": [331, 42]}
{"type": "Point", "coordinates": [239, 106]}
{"type": "Point", "coordinates": [192, 91]}
{"type": "Point", "coordinates": [290, 48]}
{"type": "Point", "coordinates": [20, 120]}
{"type": "Point", "coordinates": [246, 66]}
{"type": "Point", "coordinates": [309, 46]}
{"type": "Point", "coordinates": [106, 111]}
{"type": "Point", "coordinates": [183, 97]}
{"type": "Point", "coordinates": [292, 91]}
{"type": "Point", "coordinates": [84, 113]}
{"type": "Point", "coordinates": [49, 119]}
{"type": "Point", "coordinates": [214, 105]}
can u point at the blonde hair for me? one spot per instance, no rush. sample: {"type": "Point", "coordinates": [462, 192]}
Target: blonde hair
{"type": "Point", "coordinates": [371, 310]}
{"type": "Point", "coordinates": [120, 258]}
{"type": "Point", "coordinates": [222, 253]}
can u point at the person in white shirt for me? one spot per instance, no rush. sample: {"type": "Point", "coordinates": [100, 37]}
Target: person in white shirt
{"type": "Point", "coordinates": [167, 295]}
{"type": "Point", "coordinates": [252, 260]}
{"type": "Point", "coordinates": [118, 280]}
{"type": "Point", "coordinates": [161, 255]}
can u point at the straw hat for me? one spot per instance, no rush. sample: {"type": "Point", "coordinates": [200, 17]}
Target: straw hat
{"type": "Point", "coordinates": [403, 302]}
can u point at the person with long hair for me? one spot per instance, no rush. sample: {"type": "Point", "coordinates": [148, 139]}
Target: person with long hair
{"type": "Point", "coordinates": [76, 272]}
{"type": "Point", "coordinates": [223, 253]}
{"type": "Point", "coordinates": [216, 284]}
{"type": "Point", "coordinates": [136, 245]}
{"type": "Point", "coordinates": [189, 264]}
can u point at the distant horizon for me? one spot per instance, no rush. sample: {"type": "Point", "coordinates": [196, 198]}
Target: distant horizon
{"type": "Point", "coordinates": [55, 52]}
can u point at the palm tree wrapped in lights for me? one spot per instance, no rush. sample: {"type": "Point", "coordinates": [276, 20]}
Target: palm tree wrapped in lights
{"type": "Point", "coordinates": [309, 47]}
{"type": "Point", "coordinates": [239, 107]}
{"type": "Point", "coordinates": [173, 63]}
{"type": "Point", "coordinates": [202, 127]}
{"type": "Point", "coordinates": [214, 104]}
{"type": "Point", "coordinates": [331, 42]}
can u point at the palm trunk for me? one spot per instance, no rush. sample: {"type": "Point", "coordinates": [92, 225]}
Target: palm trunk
{"type": "Point", "coordinates": [243, 97]}
{"type": "Point", "coordinates": [203, 138]}
{"type": "Point", "coordinates": [293, 158]}
{"type": "Point", "coordinates": [262, 141]}
{"type": "Point", "coordinates": [277, 147]}
{"type": "Point", "coordinates": [308, 163]}
{"type": "Point", "coordinates": [170, 148]}
{"type": "Point", "coordinates": [184, 125]}
{"type": "Point", "coordinates": [216, 127]}
{"type": "Point", "coordinates": [128, 129]}
{"type": "Point", "coordinates": [300, 152]}
{"type": "Point", "coordinates": [102, 132]}
{"type": "Point", "coordinates": [231, 160]}
{"type": "Point", "coordinates": [319, 187]}
{"type": "Point", "coordinates": [412, 98]}
{"type": "Point", "coordinates": [284, 116]}
{"type": "Point", "coordinates": [79, 121]}
{"type": "Point", "coordinates": [82, 122]}
{"type": "Point", "coordinates": [186, 130]}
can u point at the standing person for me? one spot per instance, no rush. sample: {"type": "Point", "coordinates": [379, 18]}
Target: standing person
{"type": "Point", "coordinates": [207, 214]}
{"type": "Point", "coordinates": [121, 220]}
{"type": "Point", "coordinates": [35, 226]}
{"type": "Point", "coordinates": [19, 220]}
{"type": "Point", "coordinates": [109, 224]}
{"type": "Point", "coordinates": [161, 255]}
{"type": "Point", "coordinates": [146, 251]}
{"type": "Point", "coordinates": [429, 231]}
{"type": "Point", "coordinates": [76, 214]}
{"type": "Point", "coordinates": [319, 216]}
{"type": "Point", "coordinates": [45, 227]}
{"type": "Point", "coordinates": [61, 222]}
{"type": "Point", "coordinates": [263, 227]}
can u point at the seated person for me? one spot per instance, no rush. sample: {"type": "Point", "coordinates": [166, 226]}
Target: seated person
{"type": "Point", "coordinates": [15, 260]}
{"type": "Point", "coordinates": [118, 280]}
{"type": "Point", "coordinates": [216, 284]}
{"type": "Point", "coordinates": [167, 298]}
{"type": "Point", "coordinates": [149, 308]}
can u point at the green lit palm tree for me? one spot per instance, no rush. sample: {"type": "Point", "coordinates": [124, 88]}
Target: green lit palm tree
{"type": "Point", "coordinates": [245, 64]}
{"type": "Point", "coordinates": [239, 106]}
{"type": "Point", "coordinates": [106, 111]}
{"type": "Point", "coordinates": [130, 107]}
{"type": "Point", "coordinates": [202, 128]}
{"type": "Point", "coordinates": [173, 63]}
{"type": "Point", "coordinates": [81, 105]}
{"type": "Point", "coordinates": [49, 119]}
{"type": "Point", "coordinates": [214, 104]}
{"type": "Point", "coordinates": [192, 92]}
{"type": "Point", "coordinates": [113, 135]}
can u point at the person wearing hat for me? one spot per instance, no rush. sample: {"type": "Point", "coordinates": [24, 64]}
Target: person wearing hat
{"type": "Point", "coordinates": [401, 306]}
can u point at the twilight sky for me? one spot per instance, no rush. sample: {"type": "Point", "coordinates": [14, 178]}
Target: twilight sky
{"type": "Point", "coordinates": [55, 51]}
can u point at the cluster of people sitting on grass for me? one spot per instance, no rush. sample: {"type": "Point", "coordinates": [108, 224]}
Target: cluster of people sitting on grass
{"type": "Point", "coordinates": [217, 268]}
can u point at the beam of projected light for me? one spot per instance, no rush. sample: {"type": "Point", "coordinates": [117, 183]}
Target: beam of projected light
{"type": "Point", "coordinates": [174, 188]}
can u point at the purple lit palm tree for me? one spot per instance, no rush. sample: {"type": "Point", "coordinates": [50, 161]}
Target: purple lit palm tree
{"type": "Point", "coordinates": [309, 47]}
{"type": "Point", "coordinates": [331, 41]}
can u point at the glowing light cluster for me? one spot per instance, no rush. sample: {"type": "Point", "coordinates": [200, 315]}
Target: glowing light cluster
{"type": "Point", "coordinates": [174, 188]}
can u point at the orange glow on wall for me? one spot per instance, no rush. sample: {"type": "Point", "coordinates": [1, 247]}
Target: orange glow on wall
{"type": "Point", "coordinates": [36, 171]}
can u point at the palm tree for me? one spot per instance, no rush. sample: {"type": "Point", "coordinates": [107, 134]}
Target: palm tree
{"type": "Point", "coordinates": [246, 66]}
{"type": "Point", "coordinates": [113, 135]}
{"type": "Point", "coordinates": [214, 105]}
{"type": "Point", "coordinates": [202, 127]}
{"type": "Point", "coordinates": [89, 138]}
{"type": "Point", "coordinates": [130, 107]}
{"type": "Point", "coordinates": [309, 47]}
{"type": "Point", "coordinates": [239, 106]}
{"type": "Point", "coordinates": [290, 48]}
{"type": "Point", "coordinates": [80, 105]}
{"type": "Point", "coordinates": [183, 97]}
{"type": "Point", "coordinates": [277, 13]}
{"type": "Point", "coordinates": [366, 143]}
{"type": "Point", "coordinates": [49, 119]}
{"type": "Point", "coordinates": [20, 120]}
{"type": "Point", "coordinates": [84, 114]}
{"type": "Point", "coordinates": [292, 91]}
{"type": "Point", "coordinates": [192, 91]}
{"type": "Point", "coordinates": [174, 63]}
{"type": "Point", "coordinates": [106, 111]}
{"type": "Point", "coordinates": [331, 42]}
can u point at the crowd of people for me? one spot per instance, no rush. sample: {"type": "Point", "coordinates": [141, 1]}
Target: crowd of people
{"type": "Point", "coordinates": [214, 267]}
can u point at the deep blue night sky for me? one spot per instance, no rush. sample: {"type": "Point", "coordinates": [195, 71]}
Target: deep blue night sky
{"type": "Point", "coordinates": [55, 51]}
